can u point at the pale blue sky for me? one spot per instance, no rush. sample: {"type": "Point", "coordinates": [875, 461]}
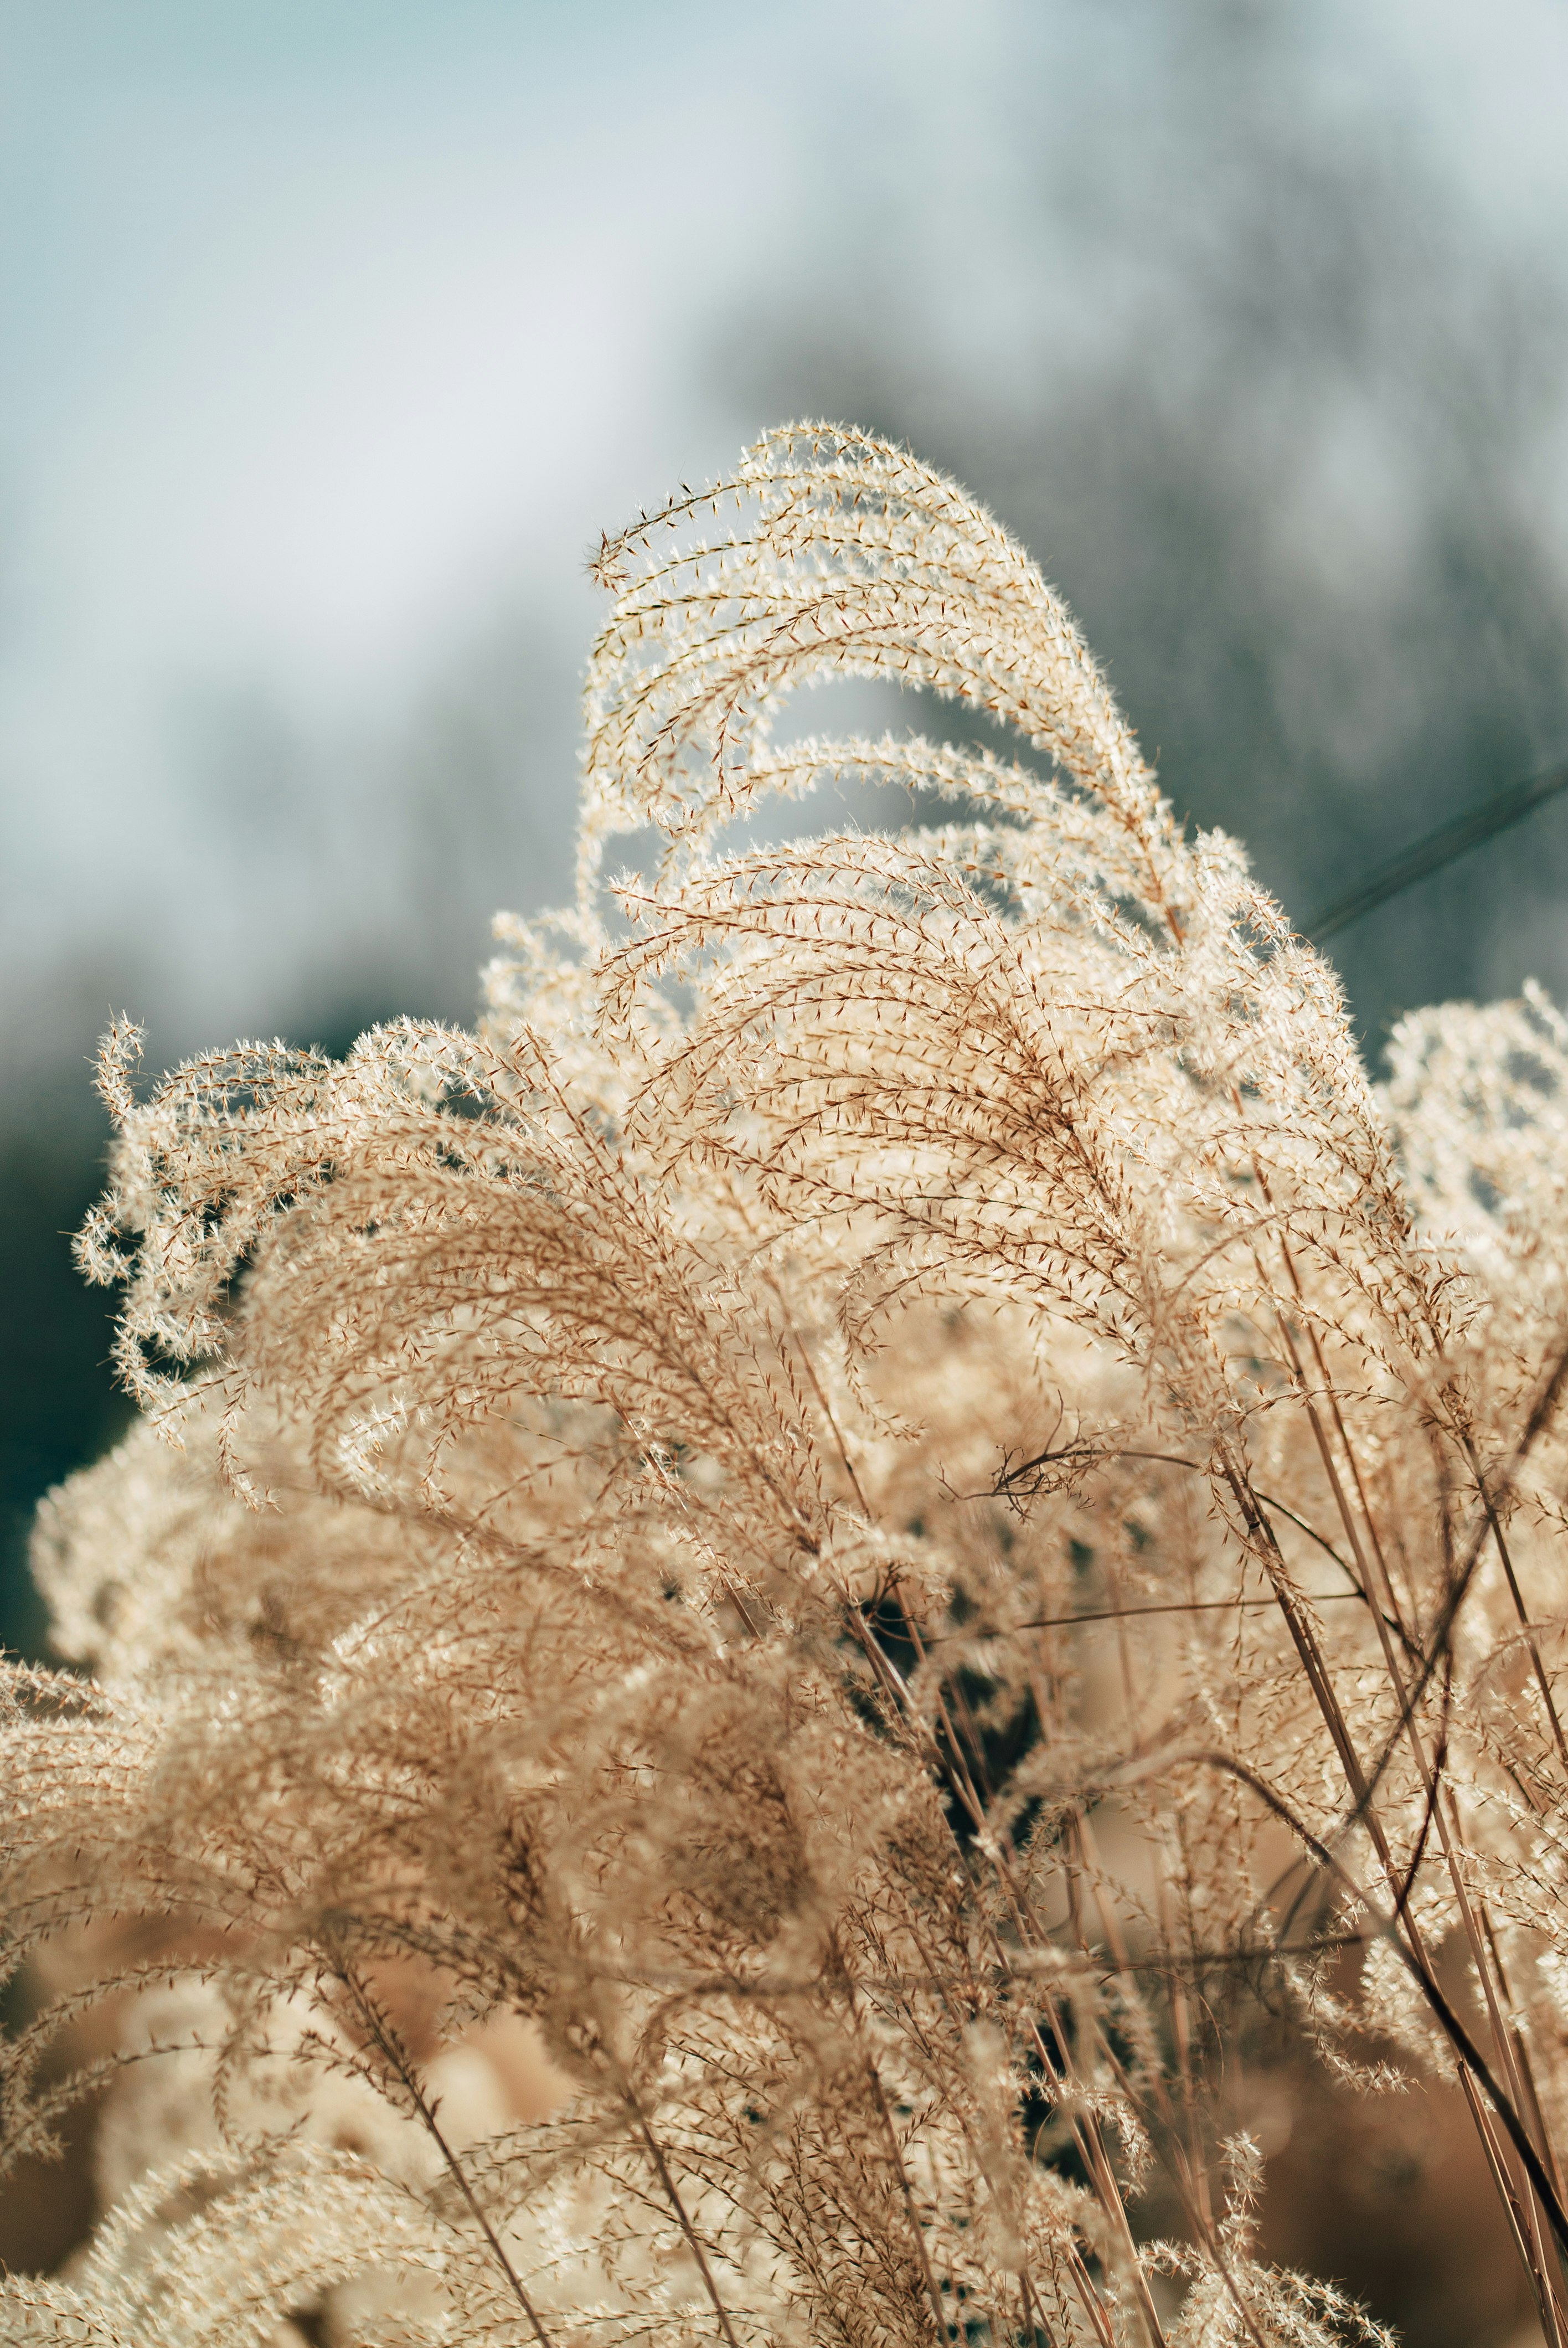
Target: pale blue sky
{"type": "Point", "coordinates": [330, 330]}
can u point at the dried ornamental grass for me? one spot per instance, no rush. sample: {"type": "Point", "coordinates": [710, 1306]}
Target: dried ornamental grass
{"type": "Point", "coordinates": [887, 1519]}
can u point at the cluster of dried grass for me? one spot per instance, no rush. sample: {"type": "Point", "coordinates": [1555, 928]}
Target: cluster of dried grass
{"type": "Point", "coordinates": [803, 1586]}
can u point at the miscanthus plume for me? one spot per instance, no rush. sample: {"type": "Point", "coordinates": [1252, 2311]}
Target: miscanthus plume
{"type": "Point", "coordinates": [770, 1610]}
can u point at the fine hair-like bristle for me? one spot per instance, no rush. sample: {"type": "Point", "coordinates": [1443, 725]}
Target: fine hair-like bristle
{"type": "Point", "coordinates": [771, 1609]}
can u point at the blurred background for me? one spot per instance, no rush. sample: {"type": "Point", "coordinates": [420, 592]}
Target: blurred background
{"type": "Point", "coordinates": [333, 331]}
{"type": "Point", "coordinates": [331, 334]}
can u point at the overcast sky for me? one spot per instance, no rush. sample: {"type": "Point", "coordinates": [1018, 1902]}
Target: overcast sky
{"type": "Point", "coordinates": [330, 330]}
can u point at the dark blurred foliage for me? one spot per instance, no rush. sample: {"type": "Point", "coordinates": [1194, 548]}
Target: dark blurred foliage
{"type": "Point", "coordinates": [58, 1407]}
{"type": "Point", "coordinates": [59, 1404]}
{"type": "Point", "coordinates": [1390, 2196]}
{"type": "Point", "coordinates": [374, 885]}
{"type": "Point", "coordinates": [1285, 444]}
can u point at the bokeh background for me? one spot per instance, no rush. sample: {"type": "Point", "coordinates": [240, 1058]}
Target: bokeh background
{"type": "Point", "coordinates": [333, 331]}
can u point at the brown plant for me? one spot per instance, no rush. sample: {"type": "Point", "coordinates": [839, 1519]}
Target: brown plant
{"type": "Point", "coordinates": [894, 1508]}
